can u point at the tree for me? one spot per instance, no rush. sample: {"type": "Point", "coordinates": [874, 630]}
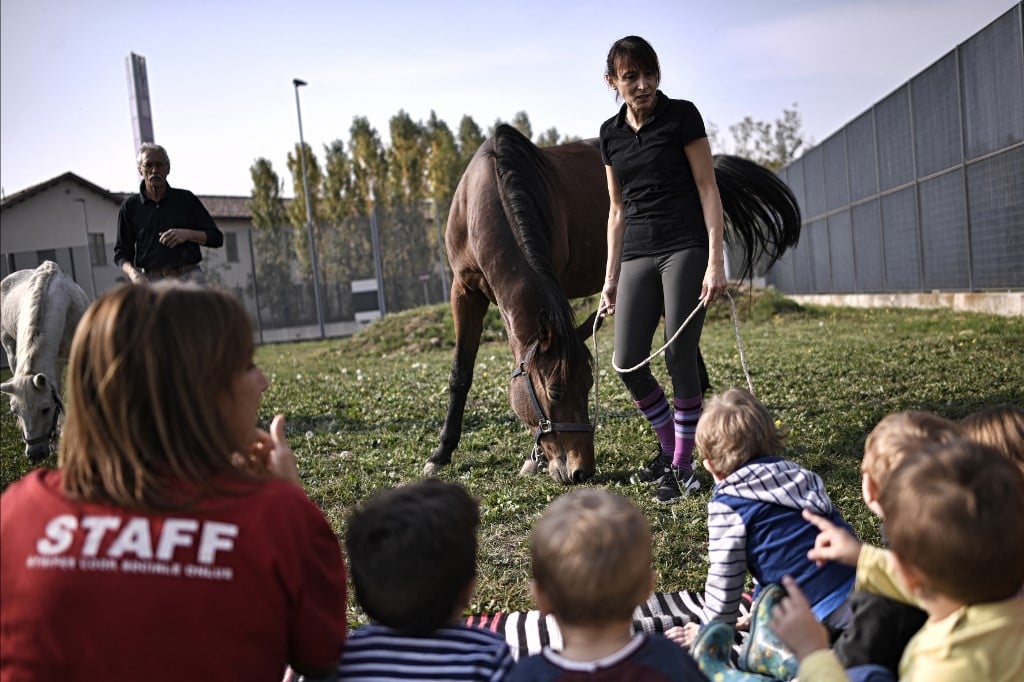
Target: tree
{"type": "Point", "coordinates": [444, 166]}
{"type": "Point", "coordinates": [301, 230]}
{"type": "Point", "coordinates": [272, 269]}
{"type": "Point", "coordinates": [521, 122]}
{"type": "Point", "coordinates": [406, 158]}
{"type": "Point", "coordinates": [403, 235]}
{"type": "Point", "coordinates": [369, 165]}
{"type": "Point", "coordinates": [549, 138]}
{"type": "Point", "coordinates": [297, 209]}
{"type": "Point", "coordinates": [773, 145]}
{"type": "Point", "coordinates": [345, 245]}
{"type": "Point", "coordinates": [470, 138]}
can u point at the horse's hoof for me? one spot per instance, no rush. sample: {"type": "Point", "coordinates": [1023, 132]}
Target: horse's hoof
{"type": "Point", "coordinates": [529, 467]}
{"type": "Point", "coordinates": [430, 470]}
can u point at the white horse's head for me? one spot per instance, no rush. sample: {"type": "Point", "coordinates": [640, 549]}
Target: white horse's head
{"type": "Point", "coordinates": [36, 403]}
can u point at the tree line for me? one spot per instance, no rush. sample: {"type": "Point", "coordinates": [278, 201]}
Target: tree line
{"type": "Point", "coordinates": [406, 188]}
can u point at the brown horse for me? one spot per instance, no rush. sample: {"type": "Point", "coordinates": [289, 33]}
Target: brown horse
{"type": "Point", "coordinates": [527, 231]}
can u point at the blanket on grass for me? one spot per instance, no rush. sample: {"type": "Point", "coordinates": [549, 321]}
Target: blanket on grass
{"type": "Point", "coordinates": [527, 632]}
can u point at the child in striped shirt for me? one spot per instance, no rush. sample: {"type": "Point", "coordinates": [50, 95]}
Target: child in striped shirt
{"type": "Point", "coordinates": [755, 522]}
{"type": "Point", "coordinates": [412, 554]}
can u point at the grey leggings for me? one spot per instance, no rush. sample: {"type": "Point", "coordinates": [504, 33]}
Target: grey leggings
{"type": "Point", "coordinates": [648, 288]}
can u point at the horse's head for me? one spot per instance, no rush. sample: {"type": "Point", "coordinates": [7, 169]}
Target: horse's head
{"type": "Point", "coordinates": [549, 392]}
{"type": "Point", "coordinates": [36, 404]}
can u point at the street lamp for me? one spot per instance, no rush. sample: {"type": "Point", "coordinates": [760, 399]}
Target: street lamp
{"type": "Point", "coordinates": [88, 246]}
{"type": "Point", "coordinates": [309, 211]}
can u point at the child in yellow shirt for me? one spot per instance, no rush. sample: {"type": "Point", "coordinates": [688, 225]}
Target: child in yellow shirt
{"type": "Point", "coordinates": [955, 523]}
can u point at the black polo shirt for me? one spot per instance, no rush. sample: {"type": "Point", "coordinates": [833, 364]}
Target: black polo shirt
{"type": "Point", "coordinates": [662, 204]}
{"type": "Point", "coordinates": [141, 220]}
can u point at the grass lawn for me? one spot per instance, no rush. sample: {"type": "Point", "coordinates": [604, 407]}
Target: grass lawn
{"type": "Point", "coordinates": [364, 413]}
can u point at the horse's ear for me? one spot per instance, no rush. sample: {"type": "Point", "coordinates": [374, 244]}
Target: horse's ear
{"type": "Point", "coordinates": [587, 327]}
{"type": "Point", "coordinates": [7, 387]}
{"type": "Point", "coordinates": [544, 334]}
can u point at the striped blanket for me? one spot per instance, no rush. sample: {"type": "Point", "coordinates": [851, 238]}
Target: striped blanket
{"type": "Point", "coordinates": [527, 632]}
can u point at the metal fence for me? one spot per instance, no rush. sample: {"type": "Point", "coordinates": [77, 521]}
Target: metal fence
{"type": "Point", "coordinates": [277, 288]}
{"type": "Point", "coordinates": [925, 190]}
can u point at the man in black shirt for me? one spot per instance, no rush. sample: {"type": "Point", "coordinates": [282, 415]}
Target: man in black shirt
{"type": "Point", "coordinates": [160, 229]}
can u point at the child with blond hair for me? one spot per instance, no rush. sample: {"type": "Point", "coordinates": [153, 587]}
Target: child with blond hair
{"type": "Point", "coordinates": [591, 563]}
{"type": "Point", "coordinates": [1000, 427]}
{"type": "Point", "coordinates": [892, 439]}
{"type": "Point", "coordinates": [880, 627]}
{"type": "Point", "coordinates": [955, 518]}
{"type": "Point", "coordinates": [754, 515]}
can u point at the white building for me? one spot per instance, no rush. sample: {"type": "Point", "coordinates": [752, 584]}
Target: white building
{"type": "Point", "coordinates": [72, 221]}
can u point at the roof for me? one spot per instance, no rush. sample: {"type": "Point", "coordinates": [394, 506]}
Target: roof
{"type": "Point", "coordinates": [30, 192]}
{"type": "Point", "coordinates": [227, 207]}
{"type": "Point", "coordinates": [219, 206]}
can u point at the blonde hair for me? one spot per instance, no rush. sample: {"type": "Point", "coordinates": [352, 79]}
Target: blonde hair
{"type": "Point", "coordinates": [1000, 427]}
{"type": "Point", "coordinates": [955, 511]}
{"type": "Point", "coordinates": [734, 428]}
{"type": "Point", "coordinates": [900, 434]}
{"type": "Point", "coordinates": [148, 366]}
{"type": "Point", "coordinates": [591, 556]}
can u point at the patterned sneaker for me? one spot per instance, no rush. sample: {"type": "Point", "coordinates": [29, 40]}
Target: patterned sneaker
{"type": "Point", "coordinates": [677, 485]}
{"type": "Point", "coordinates": [655, 470]}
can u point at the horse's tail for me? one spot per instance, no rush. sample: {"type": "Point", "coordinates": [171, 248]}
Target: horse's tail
{"type": "Point", "coordinates": [761, 213]}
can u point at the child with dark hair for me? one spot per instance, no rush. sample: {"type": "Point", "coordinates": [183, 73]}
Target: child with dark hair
{"type": "Point", "coordinates": [955, 518]}
{"type": "Point", "coordinates": [591, 563]}
{"type": "Point", "coordinates": [412, 557]}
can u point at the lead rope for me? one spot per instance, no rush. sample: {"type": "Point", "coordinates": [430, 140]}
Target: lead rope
{"type": "Point", "coordinates": [739, 345]}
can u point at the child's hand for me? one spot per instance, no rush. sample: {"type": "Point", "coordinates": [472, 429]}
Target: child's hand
{"type": "Point", "coordinates": [273, 450]}
{"type": "Point", "coordinates": [795, 624]}
{"type": "Point", "coordinates": [833, 543]}
{"type": "Point", "coordinates": [743, 622]}
{"type": "Point", "coordinates": [683, 635]}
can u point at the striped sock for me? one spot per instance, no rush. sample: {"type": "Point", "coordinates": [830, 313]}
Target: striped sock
{"type": "Point", "coordinates": [655, 408]}
{"type": "Point", "coordinates": [687, 412]}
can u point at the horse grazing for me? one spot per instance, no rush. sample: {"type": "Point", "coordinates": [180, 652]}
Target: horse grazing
{"type": "Point", "coordinates": [527, 231]}
{"type": "Point", "coordinates": [38, 314]}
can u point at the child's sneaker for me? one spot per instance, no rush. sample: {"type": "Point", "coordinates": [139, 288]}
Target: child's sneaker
{"type": "Point", "coordinates": [678, 484]}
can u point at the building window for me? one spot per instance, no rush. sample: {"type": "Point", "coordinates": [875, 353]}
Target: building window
{"type": "Point", "coordinates": [45, 255]}
{"type": "Point", "coordinates": [231, 247]}
{"type": "Point", "coordinates": [97, 248]}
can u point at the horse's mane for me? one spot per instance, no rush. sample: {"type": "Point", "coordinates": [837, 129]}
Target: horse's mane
{"type": "Point", "coordinates": [37, 288]}
{"type": "Point", "coordinates": [525, 180]}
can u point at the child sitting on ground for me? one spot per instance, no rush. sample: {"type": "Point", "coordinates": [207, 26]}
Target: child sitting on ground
{"type": "Point", "coordinates": [881, 627]}
{"type": "Point", "coordinates": [412, 557]}
{"type": "Point", "coordinates": [1000, 427]}
{"type": "Point", "coordinates": [591, 562]}
{"type": "Point", "coordinates": [955, 519]}
{"type": "Point", "coordinates": [754, 515]}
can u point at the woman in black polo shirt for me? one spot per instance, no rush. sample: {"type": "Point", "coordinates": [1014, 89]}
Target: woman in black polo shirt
{"type": "Point", "coordinates": [665, 250]}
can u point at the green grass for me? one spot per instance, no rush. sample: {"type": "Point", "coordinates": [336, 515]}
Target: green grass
{"type": "Point", "coordinates": [364, 413]}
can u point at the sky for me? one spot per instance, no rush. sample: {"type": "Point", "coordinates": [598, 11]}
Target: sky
{"type": "Point", "coordinates": [220, 71]}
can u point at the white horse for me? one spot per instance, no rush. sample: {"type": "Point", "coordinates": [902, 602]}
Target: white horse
{"type": "Point", "coordinates": [39, 310]}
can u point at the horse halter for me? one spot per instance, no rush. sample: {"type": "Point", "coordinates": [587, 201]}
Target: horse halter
{"type": "Point", "coordinates": [57, 409]}
{"type": "Point", "coordinates": [544, 425]}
